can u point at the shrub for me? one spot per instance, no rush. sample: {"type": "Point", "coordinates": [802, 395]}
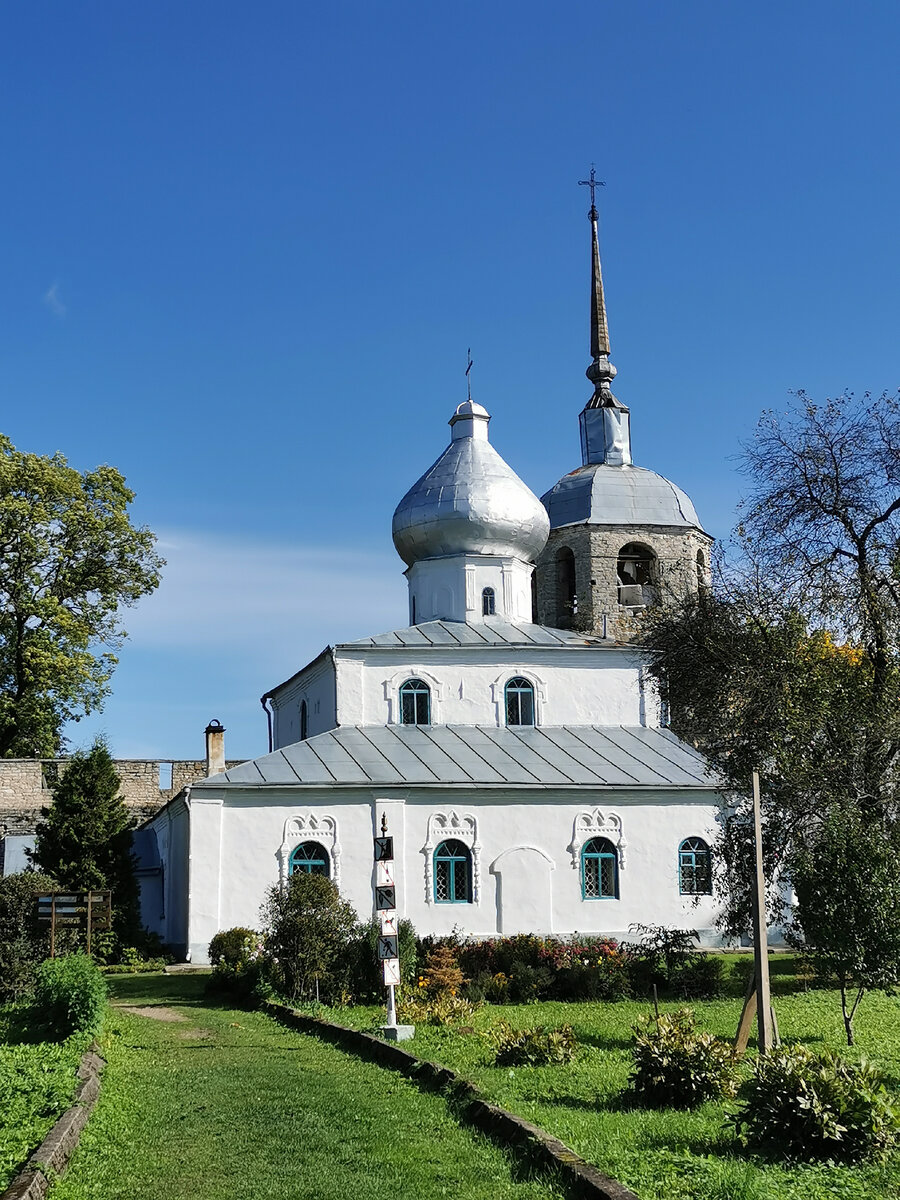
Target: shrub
{"type": "Point", "coordinates": [234, 948]}
{"type": "Point", "coordinates": [816, 1105]}
{"type": "Point", "coordinates": [418, 1008]}
{"type": "Point", "coordinates": [24, 941]}
{"type": "Point", "coordinates": [309, 934]}
{"type": "Point", "coordinates": [70, 995]}
{"type": "Point", "coordinates": [442, 974]}
{"type": "Point", "coordinates": [365, 978]}
{"type": "Point", "coordinates": [701, 978]}
{"type": "Point", "coordinates": [536, 1047]}
{"type": "Point", "coordinates": [676, 1065]}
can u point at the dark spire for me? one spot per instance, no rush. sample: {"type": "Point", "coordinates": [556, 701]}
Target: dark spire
{"type": "Point", "coordinates": [601, 372]}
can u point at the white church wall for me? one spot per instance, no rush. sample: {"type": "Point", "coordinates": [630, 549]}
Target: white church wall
{"type": "Point", "coordinates": [578, 687]}
{"type": "Point", "coordinates": [315, 684]}
{"type": "Point", "coordinates": [525, 847]}
{"type": "Point", "coordinates": [450, 589]}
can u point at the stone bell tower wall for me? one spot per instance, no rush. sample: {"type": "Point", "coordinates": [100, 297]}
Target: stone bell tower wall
{"type": "Point", "coordinates": [596, 549]}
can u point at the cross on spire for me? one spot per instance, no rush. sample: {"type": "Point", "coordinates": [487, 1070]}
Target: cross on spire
{"type": "Point", "coordinates": [593, 183]}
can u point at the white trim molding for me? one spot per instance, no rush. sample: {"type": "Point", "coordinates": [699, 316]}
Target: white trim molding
{"type": "Point", "coordinates": [462, 827]}
{"type": "Point", "coordinates": [594, 822]}
{"type": "Point", "coordinates": [310, 827]}
{"type": "Point", "coordinates": [498, 694]}
{"type": "Point", "coordinates": [392, 685]}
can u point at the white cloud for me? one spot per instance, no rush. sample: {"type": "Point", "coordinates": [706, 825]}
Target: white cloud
{"type": "Point", "coordinates": [233, 595]}
{"type": "Point", "coordinates": [53, 299]}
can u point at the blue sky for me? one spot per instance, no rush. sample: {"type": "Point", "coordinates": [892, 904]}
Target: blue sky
{"type": "Point", "coordinates": [245, 248]}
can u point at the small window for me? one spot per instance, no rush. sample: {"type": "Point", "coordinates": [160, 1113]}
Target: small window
{"type": "Point", "coordinates": [694, 868]}
{"type": "Point", "coordinates": [311, 858]}
{"type": "Point", "coordinates": [488, 602]}
{"type": "Point", "coordinates": [519, 702]}
{"type": "Point", "coordinates": [415, 703]}
{"type": "Point", "coordinates": [701, 572]}
{"type": "Point", "coordinates": [165, 777]}
{"type": "Point", "coordinates": [304, 721]}
{"type": "Point", "coordinates": [453, 873]}
{"type": "Point", "coordinates": [599, 870]}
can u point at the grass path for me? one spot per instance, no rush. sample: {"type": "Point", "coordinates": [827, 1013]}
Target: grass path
{"type": "Point", "coordinates": [213, 1103]}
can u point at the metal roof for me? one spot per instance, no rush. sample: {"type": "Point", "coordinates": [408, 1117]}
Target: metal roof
{"type": "Point", "coordinates": [496, 633]}
{"type": "Point", "coordinates": [600, 494]}
{"type": "Point", "coordinates": [595, 756]}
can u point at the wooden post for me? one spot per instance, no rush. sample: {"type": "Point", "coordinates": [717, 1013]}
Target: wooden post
{"type": "Point", "coordinates": [760, 938]}
{"type": "Point", "coordinates": [89, 898]}
{"type": "Point", "coordinates": [53, 925]}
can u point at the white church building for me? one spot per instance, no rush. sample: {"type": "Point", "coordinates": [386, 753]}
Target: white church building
{"type": "Point", "coordinates": [509, 734]}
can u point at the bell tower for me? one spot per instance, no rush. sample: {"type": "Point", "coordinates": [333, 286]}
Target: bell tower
{"type": "Point", "coordinates": [622, 537]}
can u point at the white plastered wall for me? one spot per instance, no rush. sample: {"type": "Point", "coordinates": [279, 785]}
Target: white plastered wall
{"type": "Point", "coordinates": [524, 847]}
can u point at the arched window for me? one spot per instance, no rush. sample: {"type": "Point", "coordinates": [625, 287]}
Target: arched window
{"type": "Point", "coordinates": [636, 572]}
{"type": "Point", "coordinates": [304, 721]}
{"type": "Point", "coordinates": [488, 602]}
{"type": "Point", "coordinates": [453, 873]}
{"type": "Point", "coordinates": [694, 868]}
{"type": "Point", "coordinates": [312, 858]}
{"type": "Point", "coordinates": [415, 703]}
{"type": "Point", "coordinates": [599, 870]}
{"type": "Point", "coordinates": [566, 595]}
{"type": "Point", "coordinates": [519, 701]}
{"type": "Point", "coordinates": [701, 571]}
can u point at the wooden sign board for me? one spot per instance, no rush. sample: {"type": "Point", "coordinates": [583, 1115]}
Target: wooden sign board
{"type": "Point", "coordinates": [391, 972]}
{"type": "Point", "coordinates": [384, 849]}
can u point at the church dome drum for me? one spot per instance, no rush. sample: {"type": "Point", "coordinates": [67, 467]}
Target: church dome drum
{"type": "Point", "coordinates": [470, 501]}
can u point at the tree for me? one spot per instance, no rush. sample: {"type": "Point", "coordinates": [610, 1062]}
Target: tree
{"type": "Point", "coordinates": [24, 941]}
{"type": "Point", "coordinates": [308, 932]}
{"type": "Point", "coordinates": [70, 559]}
{"type": "Point", "coordinates": [791, 665]}
{"type": "Point", "coordinates": [84, 839]}
{"type": "Point", "coordinates": [847, 880]}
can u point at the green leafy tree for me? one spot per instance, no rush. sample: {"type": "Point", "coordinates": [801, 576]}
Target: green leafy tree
{"type": "Point", "coordinates": [309, 931]}
{"type": "Point", "coordinates": [84, 839]}
{"type": "Point", "coordinates": [847, 880]}
{"type": "Point", "coordinates": [24, 941]}
{"type": "Point", "coordinates": [70, 560]}
{"type": "Point", "coordinates": [791, 664]}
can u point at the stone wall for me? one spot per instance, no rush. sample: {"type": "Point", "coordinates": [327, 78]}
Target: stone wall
{"type": "Point", "coordinates": [596, 550]}
{"type": "Point", "coordinates": [26, 785]}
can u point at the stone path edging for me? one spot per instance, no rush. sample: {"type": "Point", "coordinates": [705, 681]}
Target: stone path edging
{"type": "Point", "coordinates": [52, 1155]}
{"type": "Point", "coordinates": [502, 1126]}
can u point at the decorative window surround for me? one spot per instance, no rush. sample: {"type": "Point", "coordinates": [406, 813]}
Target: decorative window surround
{"type": "Point", "coordinates": [593, 823]}
{"type": "Point", "coordinates": [392, 684]}
{"type": "Point", "coordinates": [310, 827]}
{"type": "Point", "coordinates": [443, 826]}
{"type": "Point", "coordinates": [498, 695]}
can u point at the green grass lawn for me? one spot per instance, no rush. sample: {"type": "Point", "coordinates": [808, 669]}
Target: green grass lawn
{"type": "Point", "coordinates": [37, 1082]}
{"type": "Point", "coordinates": [665, 1155]}
{"type": "Point", "coordinates": [225, 1103]}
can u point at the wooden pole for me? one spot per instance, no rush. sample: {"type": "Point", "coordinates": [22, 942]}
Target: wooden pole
{"type": "Point", "coordinates": [53, 925]}
{"type": "Point", "coordinates": [760, 938]}
{"type": "Point", "coordinates": [89, 898]}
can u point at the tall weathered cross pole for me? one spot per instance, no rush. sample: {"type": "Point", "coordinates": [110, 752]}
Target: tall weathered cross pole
{"type": "Point", "coordinates": [759, 997]}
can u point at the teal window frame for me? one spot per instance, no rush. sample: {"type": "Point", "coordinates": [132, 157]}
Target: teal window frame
{"type": "Point", "coordinates": [694, 863]}
{"type": "Point", "coordinates": [415, 702]}
{"type": "Point", "coordinates": [311, 857]}
{"type": "Point", "coordinates": [453, 873]}
{"type": "Point", "coordinates": [599, 851]}
{"type": "Point", "coordinates": [519, 710]}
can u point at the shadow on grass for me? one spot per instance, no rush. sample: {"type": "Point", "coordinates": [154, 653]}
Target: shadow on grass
{"type": "Point", "coordinates": [604, 1041]}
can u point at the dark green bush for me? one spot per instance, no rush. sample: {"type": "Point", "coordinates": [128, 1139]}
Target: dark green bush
{"type": "Point", "coordinates": [702, 977]}
{"type": "Point", "coordinates": [233, 947]}
{"type": "Point", "coordinates": [309, 932]}
{"type": "Point", "coordinates": [70, 995]}
{"type": "Point", "coordinates": [365, 979]}
{"type": "Point", "coordinates": [239, 964]}
{"type": "Point", "coordinates": [24, 941]}
{"type": "Point", "coordinates": [536, 1047]}
{"type": "Point", "coordinates": [816, 1105]}
{"type": "Point", "coordinates": [677, 1066]}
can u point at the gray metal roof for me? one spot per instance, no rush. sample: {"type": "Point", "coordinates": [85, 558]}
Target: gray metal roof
{"type": "Point", "coordinates": [595, 756]}
{"type": "Point", "coordinates": [495, 633]}
{"type": "Point", "coordinates": [600, 494]}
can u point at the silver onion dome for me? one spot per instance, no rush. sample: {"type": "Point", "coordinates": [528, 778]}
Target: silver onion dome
{"type": "Point", "coordinates": [470, 501]}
